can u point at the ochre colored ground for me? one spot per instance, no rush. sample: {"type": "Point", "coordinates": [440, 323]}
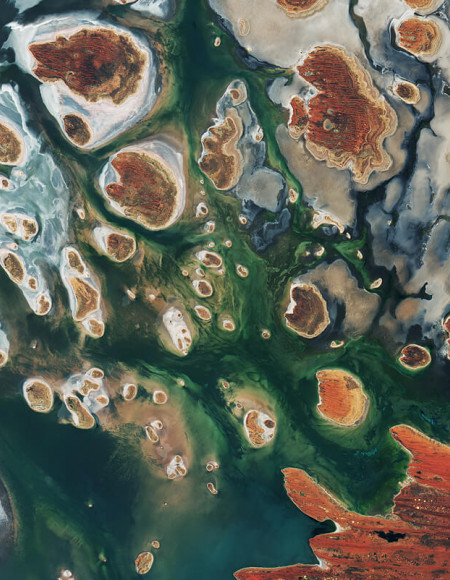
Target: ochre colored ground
{"type": "Point", "coordinates": [414, 356]}
{"type": "Point", "coordinates": [422, 4]}
{"type": "Point", "coordinates": [342, 399]}
{"type": "Point", "coordinates": [309, 317]}
{"type": "Point", "coordinates": [299, 117]}
{"type": "Point", "coordinates": [120, 247]}
{"type": "Point", "coordinates": [348, 120]}
{"type": "Point", "coordinates": [419, 36]}
{"type": "Point", "coordinates": [94, 63]}
{"type": "Point", "coordinates": [14, 267]}
{"type": "Point", "coordinates": [77, 129]}
{"type": "Point", "coordinates": [87, 298]}
{"type": "Point", "coordinates": [146, 190]}
{"type": "Point", "coordinates": [222, 162]}
{"type": "Point", "coordinates": [408, 92]}
{"type": "Point", "coordinates": [301, 8]}
{"type": "Point", "coordinates": [10, 145]}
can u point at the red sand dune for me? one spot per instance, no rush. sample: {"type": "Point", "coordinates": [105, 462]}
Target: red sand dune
{"type": "Point", "coordinates": [302, 8]}
{"type": "Point", "coordinates": [299, 117]}
{"type": "Point", "coordinates": [348, 120]}
{"type": "Point", "coordinates": [411, 542]}
{"type": "Point", "coordinates": [419, 36]}
{"type": "Point", "coordinates": [95, 63]}
{"type": "Point", "coordinates": [342, 398]}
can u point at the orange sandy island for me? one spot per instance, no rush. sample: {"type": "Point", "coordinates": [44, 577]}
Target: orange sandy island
{"type": "Point", "coordinates": [342, 398]}
{"type": "Point", "coordinates": [410, 542]}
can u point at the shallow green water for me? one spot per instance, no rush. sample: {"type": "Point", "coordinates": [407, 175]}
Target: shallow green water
{"type": "Point", "coordinates": [53, 471]}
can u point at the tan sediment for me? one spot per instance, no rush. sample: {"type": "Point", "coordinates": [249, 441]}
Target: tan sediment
{"type": "Point", "coordinates": [44, 305]}
{"type": "Point", "coordinates": [14, 267]}
{"type": "Point", "coordinates": [307, 313]}
{"type": "Point", "coordinates": [407, 92]}
{"type": "Point", "coordinates": [212, 488]}
{"type": "Point", "coordinates": [120, 247]}
{"type": "Point", "coordinates": [146, 190]}
{"type": "Point", "coordinates": [159, 397]}
{"type": "Point", "coordinates": [259, 428]}
{"type": "Point", "coordinates": [167, 422]}
{"type": "Point", "coordinates": [87, 386]}
{"type": "Point", "coordinates": [424, 6]}
{"type": "Point", "coordinates": [301, 8]}
{"type": "Point", "coordinates": [419, 36]}
{"type": "Point", "coordinates": [3, 357]}
{"type": "Point", "coordinates": [241, 271]}
{"type": "Point", "coordinates": [96, 327]}
{"type": "Point", "coordinates": [77, 129]}
{"type": "Point", "coordinates": [221, 160]}
{"type": "Point", "coordinates": [209, 259]}
{"type": "Point", "coordinates": [38, 394]}
{"type": "Point", "coordinates": [342, 399]}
